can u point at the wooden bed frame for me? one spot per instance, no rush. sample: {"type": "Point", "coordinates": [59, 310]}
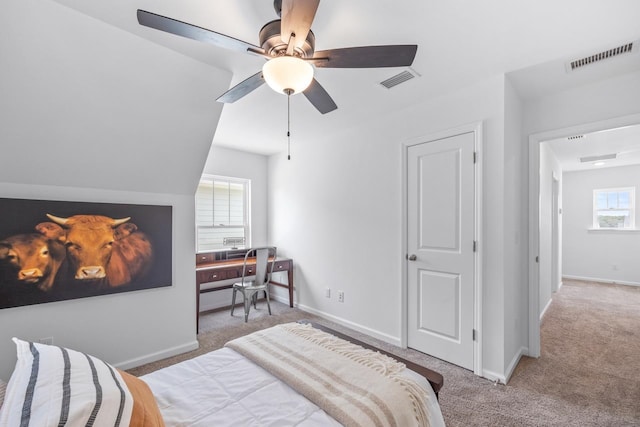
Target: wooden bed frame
{"type": "Point", "coordinates": [435, 379]}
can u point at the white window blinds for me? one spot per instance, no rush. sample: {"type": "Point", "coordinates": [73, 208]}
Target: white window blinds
{"type": "Point", "coordinates": [222, 213]}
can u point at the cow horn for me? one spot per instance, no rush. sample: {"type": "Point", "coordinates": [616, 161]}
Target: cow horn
{"type": "Point", "coordinates": [117, 222]}
{"type": "Point", "coordinates": [58, 220]}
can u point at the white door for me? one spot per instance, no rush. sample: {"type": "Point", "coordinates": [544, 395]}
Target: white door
{"type": "Point", "coordinates": [441, 259]}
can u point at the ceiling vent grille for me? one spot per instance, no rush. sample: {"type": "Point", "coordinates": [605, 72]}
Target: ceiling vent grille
{"type": "Point", "coordinates": [601, 56]}
{"type": "Point", "coordinates": [597, 158]}
{"type": "Point", "coordinates": [402, 77]}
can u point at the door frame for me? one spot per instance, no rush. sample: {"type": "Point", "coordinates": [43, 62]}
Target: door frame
{"type": "Point", "coordinates": [555, 233]}
{"type": "Point", "coordinates": [477, 129]}
{"type": "Point", "coordinates": [534, 211]}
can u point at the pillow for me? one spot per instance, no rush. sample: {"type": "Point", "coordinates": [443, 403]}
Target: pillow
{"type": "Point", "coordinates": [3, 387]}
{"type": "Point", "coordinates": [51, 386]}
{"type": "Point", "coordinates": [145, 408]}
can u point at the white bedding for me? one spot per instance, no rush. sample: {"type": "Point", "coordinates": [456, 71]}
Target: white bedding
{"type": "Point", "coordinates": [223, 388]}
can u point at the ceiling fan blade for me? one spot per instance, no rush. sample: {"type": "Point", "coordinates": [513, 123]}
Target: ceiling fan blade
{"type": "Point", "coordinates": [366, 57]}
{"type": "Point", "coordinates": [173, 26]}
{"type": "Point", "coordinates": [319, 97]}
{"type": "Point", "coordinates": [243, 88]}
{"type": "Point", "coordinates": [297, 16]}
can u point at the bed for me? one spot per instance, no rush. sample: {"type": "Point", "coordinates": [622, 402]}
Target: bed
{"type": "Point", "coordinates": [295, 374]}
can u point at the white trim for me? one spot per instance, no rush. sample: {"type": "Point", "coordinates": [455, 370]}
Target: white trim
{"type": "Point", "coordinates": [595, 279]}
{"type": "Point", "coordinates": [615, 230]}
{"type": "Point", "coordinates": [546, 307]}
{"type": "Point", "coordinates": [246, 183]}
{"type": "Point", "coordinates": [351, 325]}
{"type": "Point", "coordinates": [159, 355]}
{"type": "Point", "coordinates": [534, 209]}
{"type": "Point", "coordinates": [404, 234]}
{"type": "Point", "coordinates": [631, 209]}
{"type": "Point", "coordinates": [514, 363]}
{"type": "Point", "coordinates": [492, 376]}
{"type": "Point", "coordinates": [478, 130]}
{"type": "Point", "coordinates": [479, 292]}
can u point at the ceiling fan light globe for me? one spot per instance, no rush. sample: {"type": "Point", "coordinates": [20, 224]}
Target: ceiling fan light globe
{"type": "Point", "coordinates": [287, 73]}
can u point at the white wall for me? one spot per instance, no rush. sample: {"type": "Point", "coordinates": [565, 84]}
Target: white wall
{"type": "Point", "coordinates": [91, 113]}
{"type": "Point", "coordinates": [240, 164]}
{"type": "Point", "coordinates": [549, 169]}
{"type": "Point", "coordinates": [580, 109]}
{"type": "Point", "coordinates": [335, 208]}
{"type": "Point", "coordinates": [125, 329]}
{"type": "Point", "coordinates": [515, 284]}
{"type": "Point", "coordinates": [609, 256]}
{"type": "Point", "coordinates": [606, 99]}
{"type": "Point", "coordinates": [575, 108]}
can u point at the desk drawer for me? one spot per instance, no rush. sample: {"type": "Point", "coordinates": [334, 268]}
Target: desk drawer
{"type": "Point", "coordinates": [280, 266]}
{"type": "Point", "coordinates": [205, 276]}
{"type": "Point", "coordinates": [205, 258]}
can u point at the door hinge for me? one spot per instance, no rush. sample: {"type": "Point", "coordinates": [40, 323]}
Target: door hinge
{"type": "Point", "coordinates": [475, 246]}
{"type": "Point", "coordinates": [475, 157]}
{"type": "Point", "coordinates": [537, 259]}
{"type": "Point", "coordinates": [474, 334]}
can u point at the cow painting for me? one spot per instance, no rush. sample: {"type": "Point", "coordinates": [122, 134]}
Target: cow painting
{"type": "Point", "coordinates": [56, 250]}
{"type": "Point", "coordinates": [31, 260]}
{"type": "Point", "coordinates": [101, 248]}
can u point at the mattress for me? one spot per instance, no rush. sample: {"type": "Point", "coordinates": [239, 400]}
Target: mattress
{"type": "Point", "coordinates": [223, 388]}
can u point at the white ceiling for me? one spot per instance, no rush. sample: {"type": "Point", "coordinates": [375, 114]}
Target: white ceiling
{"type": "Point", "coordinates": [624, 142]}
{"type": "Point", "coordinates": [460, 42]}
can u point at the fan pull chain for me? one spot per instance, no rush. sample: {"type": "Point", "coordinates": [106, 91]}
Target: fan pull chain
{"type": "Point", "coordinates": [289, 126]}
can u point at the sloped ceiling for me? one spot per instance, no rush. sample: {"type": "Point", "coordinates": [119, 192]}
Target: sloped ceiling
{"type": "Point", "coordinates": [460, 42]}
{"type": "Point", "coordinates": [85, 104]}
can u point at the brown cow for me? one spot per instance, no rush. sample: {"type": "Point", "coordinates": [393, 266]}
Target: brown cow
{"type": "Point", "coordinates": [99, 247]}
{"type": "Point", "coordinates": [31, 259]}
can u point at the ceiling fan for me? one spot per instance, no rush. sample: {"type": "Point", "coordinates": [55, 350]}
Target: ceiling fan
{"type": "Point", "coordinates": [289, 45]}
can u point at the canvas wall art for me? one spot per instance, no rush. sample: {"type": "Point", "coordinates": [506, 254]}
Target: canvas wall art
{"type": "Point", "coordinates": [55, 250]}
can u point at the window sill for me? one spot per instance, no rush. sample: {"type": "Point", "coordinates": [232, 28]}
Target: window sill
{"type": "Point", "coordinates": [615, 230]}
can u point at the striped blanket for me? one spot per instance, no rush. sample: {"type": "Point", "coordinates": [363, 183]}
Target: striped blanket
{"type": "Point", "coordinates": [356, 386]}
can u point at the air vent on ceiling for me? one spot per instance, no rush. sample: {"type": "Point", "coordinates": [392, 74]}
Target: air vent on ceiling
{"type": "Point", "coordinates": [601, 56]}
{"type": "Point", "coordinates": [402, 77]}
{"type": "Point", "coordinates": [575, 138]}
{"type": "Point", "coordinates": [597, 158]}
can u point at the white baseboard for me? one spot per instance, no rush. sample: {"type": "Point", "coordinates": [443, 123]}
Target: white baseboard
{"type": "Point", "coordinates": [595, 279]}
{"type": "Point", "coordinates": [514, 363]}
{"type": "Point", "coordinates": [546, 307]}
{"type": "Point", "coordinates": [138, 361]}
{"type": "Point", "coordinates": [356, 327]}
{"type": "Point", "coordinates": [492, 376]}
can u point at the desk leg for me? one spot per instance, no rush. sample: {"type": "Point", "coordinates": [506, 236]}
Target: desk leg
{"type": "Point", "coordinates": [290, 283]}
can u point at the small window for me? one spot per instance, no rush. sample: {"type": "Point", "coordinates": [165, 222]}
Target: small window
{"type": "Point", "coordinates": [222, 213]}
{"type": "Point", "coordinates": [614, 208]}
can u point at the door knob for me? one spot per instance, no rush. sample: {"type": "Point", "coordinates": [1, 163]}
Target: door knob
{"type": "Point", "coordinates": [412, 257]}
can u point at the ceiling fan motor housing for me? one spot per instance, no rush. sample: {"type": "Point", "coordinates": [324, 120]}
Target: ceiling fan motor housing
{"type": "Point", "coordinates": [272, 43]}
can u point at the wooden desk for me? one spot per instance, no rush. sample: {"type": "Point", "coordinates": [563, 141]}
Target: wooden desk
{"type": "Point", "coordinates": [223, 270]}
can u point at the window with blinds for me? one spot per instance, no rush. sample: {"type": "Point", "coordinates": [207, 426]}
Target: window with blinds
{"type": "Point", "coordinates": [222, 213]}
{"type": "Point", "coordinates": [614, 208]}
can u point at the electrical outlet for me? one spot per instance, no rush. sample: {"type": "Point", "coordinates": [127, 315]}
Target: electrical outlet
{"type": "Point", "coordinates": [327, 293]}
{"type": "Point", "coordinates": [47, 340]}
{"type": "Point", "coordinates": [340, 296]}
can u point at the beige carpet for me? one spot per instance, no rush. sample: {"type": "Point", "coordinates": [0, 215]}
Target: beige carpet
{"type": "Point", "coordinates": [588, 373]}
